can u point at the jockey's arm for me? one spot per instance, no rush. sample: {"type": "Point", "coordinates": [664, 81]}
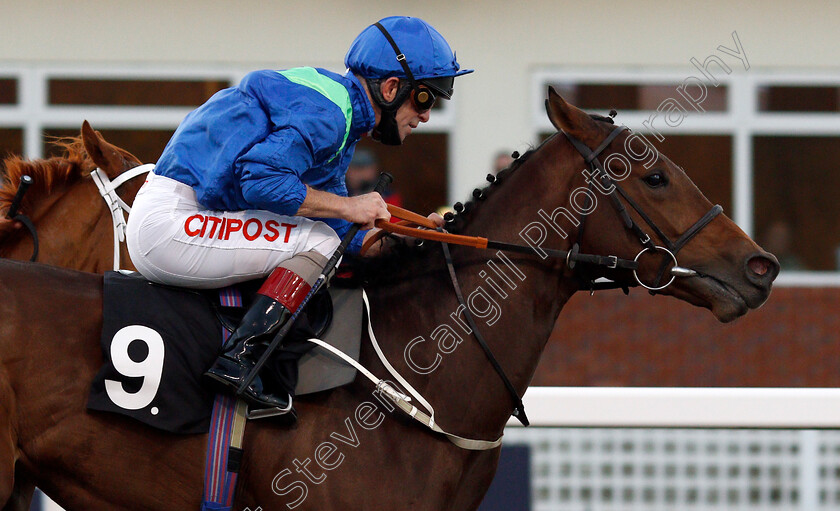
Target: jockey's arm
{"type": "Point", "coordinates": [362, 209]}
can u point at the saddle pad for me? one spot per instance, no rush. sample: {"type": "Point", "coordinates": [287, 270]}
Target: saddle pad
{"type": "Point", "coordinates": [158, 340]}
{"type": "Point", "coordinates": [318, 370]}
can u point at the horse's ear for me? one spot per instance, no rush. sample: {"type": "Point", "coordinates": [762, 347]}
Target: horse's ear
{"type": "Point", "coordinates": [103, 154]}
{"type": "Point", "coordinates": [568, 118]}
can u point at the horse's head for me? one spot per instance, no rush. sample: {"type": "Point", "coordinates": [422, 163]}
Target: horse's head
{"type": "Point", "coordinates": [71, 218]}
{"type": "Point", "coordinates": [733, 274]}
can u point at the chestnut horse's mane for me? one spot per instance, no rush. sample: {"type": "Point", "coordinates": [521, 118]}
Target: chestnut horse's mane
{"type": "Point", "coordinates": [47, 174]}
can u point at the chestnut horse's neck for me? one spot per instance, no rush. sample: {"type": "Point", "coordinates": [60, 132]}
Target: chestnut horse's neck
{"type": "Point", "coordinates": [515, 299]}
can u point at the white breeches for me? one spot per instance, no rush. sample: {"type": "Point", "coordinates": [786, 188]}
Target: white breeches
{"type": "Point", "coordinates": [174, 240]}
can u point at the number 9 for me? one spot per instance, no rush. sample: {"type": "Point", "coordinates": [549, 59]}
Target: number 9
{"type": "Point", "coordinates": [150, 369]}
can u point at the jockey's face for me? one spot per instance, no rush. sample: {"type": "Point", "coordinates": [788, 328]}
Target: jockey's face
{"type": "Point", "coordinates": [408, 118]}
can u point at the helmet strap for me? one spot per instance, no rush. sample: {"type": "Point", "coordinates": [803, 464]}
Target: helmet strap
{"type": "Point", "coordinates": [387, 130]}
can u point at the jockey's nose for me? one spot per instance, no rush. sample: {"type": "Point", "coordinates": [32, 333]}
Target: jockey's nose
{"type": "Point", "coordinates": [424, 117]}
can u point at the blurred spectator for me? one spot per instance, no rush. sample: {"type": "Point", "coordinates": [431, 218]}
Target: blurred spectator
{"type": "Point", "coordinates": [778, 240]}
{"type": "Point", "coordinates": [363, 173]}
{"type": "Point", "coordinates": [501, 161]}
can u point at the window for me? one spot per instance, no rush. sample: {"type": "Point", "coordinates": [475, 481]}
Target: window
{"type": "Point", "coordinates": [796, 183]}
{"type": "Point", "coordinates": [418, 167]}
{"type": "Point", "coordinates": [631, 96]}
{"type": "Point", "coordinates": [11, 135]}
{"type": "Point", "coordinates": [11, 141]}
{"type": "Point", "coordinates": [798, 98]}
{"type": "Point", "coordinates": [8, 91]}
{"type": "Point", "coordinates": [93, 91]}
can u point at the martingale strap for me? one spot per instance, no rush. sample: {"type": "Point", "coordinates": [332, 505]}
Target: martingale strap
{"type": "Point", "coordinates": [401, 400]}
{"type": "Point", "coordinates": [20, 217]}
{"type": "Point", "coordinates": [519, 407]}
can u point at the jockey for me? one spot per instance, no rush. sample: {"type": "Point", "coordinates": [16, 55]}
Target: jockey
{"type": "Point", "coordinates": [252, 182]}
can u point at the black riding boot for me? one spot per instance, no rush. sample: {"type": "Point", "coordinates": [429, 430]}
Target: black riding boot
{"type": "Point", "coordinates": [245, 346]}
{"type": "Point", "coordinates": [276, 300]}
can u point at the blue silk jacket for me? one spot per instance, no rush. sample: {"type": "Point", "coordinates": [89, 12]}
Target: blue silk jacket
{"type": "Point", "coordinates": [256, 145]}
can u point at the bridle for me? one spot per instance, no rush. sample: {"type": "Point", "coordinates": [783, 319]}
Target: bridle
{"type": "Point", "coordinates": [616, 194]}
{"type": "Point", "coordinates": [572, 257]}
{"type": "Point", "coordinates": [117, 206]}
{"type": "Point", "coordinates": [107, 189]}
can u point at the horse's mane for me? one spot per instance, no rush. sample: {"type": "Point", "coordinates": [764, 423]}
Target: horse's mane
{"type": "Point", "coordinates": [406, 255]}
{"type": "Point", "coordinates": [47, 174]}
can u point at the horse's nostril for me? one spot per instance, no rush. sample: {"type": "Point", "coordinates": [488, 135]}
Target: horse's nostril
{"type": "Point", "coordinates": [759, 265]}
{"type": "Point", "coordinates": [762, 268]}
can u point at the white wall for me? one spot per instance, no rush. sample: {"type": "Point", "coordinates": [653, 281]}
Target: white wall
{"type": "Point", "coordinates": [504, 41]}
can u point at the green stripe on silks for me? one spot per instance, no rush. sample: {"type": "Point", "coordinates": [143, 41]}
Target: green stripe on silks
{"type": "Point", "coordinates": [332, 90]}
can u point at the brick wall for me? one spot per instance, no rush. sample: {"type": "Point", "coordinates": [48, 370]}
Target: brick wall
{"type": "Point", "coordinates": [614, 340]}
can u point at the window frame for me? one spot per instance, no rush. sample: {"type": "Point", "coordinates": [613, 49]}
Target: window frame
{"type": "Point", "coordinates": [33, 112]}
{"type": "Point", "coordinates": [742, 121]}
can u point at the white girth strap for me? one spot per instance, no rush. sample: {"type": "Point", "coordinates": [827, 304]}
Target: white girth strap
{"type": "Point", "coordinates": [400, 399]}
{"type": "Point", "coordinates": [108, 191]}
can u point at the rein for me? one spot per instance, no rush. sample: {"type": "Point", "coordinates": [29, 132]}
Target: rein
{"type": "Point", "coordinates": [410, 222]}
{"type": "Point", "coordinates": [108, 191]}
{"type": "Point", "coordinates": [12, 214]}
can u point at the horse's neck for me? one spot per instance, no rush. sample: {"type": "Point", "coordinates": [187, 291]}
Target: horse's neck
{"type": "Point", "coordinates": [90, 219]}
{"type": "Point", "coordinates": [515, 300]}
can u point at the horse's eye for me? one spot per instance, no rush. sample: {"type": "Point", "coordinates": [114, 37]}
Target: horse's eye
{"type": "Point", "coordinates": [655, 180]}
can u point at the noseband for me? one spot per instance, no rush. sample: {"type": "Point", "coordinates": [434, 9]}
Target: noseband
{"type": "Point", "coordinates": [670, 248]}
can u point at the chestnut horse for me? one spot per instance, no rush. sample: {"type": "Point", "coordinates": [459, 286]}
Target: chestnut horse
{"type": "Point", "coordinates": [72, 220]}
{"type": "Point", "coordinates": [348, 450]}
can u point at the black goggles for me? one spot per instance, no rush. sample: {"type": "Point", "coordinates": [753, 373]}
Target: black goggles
{"type": "Point", "coordinates": [425, 92]}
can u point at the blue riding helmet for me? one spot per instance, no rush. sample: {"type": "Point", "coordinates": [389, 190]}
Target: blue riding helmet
{"type": "Point", "coordinates": [409, 49]}
{"type": "Point", "coordinates": [427, 53]}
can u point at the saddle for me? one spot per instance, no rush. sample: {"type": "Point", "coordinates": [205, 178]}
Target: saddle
{"type": "Point", "coordinates": [157, 341]}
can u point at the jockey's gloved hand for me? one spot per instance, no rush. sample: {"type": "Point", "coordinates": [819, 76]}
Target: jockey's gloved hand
{"type": "Point", "coordinates": [366, 209]}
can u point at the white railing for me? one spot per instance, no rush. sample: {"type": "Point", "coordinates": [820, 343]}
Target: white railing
{"type": "Point", "coordinates": [610, 449]}
{"type": "Point", "coordinates": [697, 407]}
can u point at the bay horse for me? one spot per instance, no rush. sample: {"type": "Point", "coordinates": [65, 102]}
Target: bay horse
{"type": "Point", "coordinates": [72, 220]}
{"type": "Point", "coordinates": [348, 450]}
